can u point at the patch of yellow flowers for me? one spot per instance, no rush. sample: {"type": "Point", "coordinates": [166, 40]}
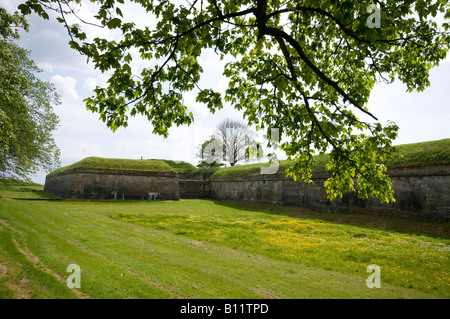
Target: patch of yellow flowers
{"type": "Point", "coordinates": [410, 260]}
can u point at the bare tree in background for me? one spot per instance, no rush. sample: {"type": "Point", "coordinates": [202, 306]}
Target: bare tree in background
{"type": "Point", "coordinates": [232, 142]}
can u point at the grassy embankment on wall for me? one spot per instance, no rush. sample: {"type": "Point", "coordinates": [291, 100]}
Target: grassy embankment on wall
{"type": "Point", "coordinates": [118, 164]}
{"type": "Point", "coordinates": [409, 155]}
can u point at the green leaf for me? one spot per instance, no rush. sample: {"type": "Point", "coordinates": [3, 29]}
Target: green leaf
{"type": "Point", "coordinates": [119, 12]}
{"type": "Point", "coordinates": [114, 23]}
{"type": "Point", "coordinates": [24, 9]}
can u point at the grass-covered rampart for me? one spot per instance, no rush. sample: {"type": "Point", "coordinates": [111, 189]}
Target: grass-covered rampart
{"type": "Point", "coordinates": [127, 164]}
{"type": "Point", "coordinates": [409, 155]}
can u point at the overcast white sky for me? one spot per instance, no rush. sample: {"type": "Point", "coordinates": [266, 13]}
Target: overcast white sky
{"type": "Point", "coordinates": [421, 116]}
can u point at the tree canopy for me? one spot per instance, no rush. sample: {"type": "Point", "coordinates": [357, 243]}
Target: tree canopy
{"type": "Point", "coordinates": [26, 115]}
{"type": "Point", "coordinates": [304, 67]}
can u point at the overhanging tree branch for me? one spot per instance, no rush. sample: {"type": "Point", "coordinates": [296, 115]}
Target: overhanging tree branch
{"type": "Point", "coordinates": [277, 33]}
{"type": "Point", "coordinates": [300, 90]}
{"type": "Point", "coordinates": [316, 121]}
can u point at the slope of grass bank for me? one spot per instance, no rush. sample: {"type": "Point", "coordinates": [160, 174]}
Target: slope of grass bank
{"type": "Point", "coordinates": [422, 154]}
{"type": "Point", "coordinates": [154, 165]}
{"type": "Point", "coordinates": [8, 184]}
{"type": "Point", "coordinates": [22, 189]}
{"type": "Point", "coordinates": [409, 155]}
{"type": "Point", "coordinates": [118, 164]}
{"type": "Point", "coordinates": [207, 249]}
{"type": "Point", "coordinates": [180, 166]}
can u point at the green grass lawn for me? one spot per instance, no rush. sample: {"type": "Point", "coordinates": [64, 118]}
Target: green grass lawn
{"type": "Point", "coordinates": [212, 249]}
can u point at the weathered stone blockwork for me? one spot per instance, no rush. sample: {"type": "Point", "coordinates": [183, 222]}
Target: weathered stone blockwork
{"type": "Point", "coordinates": [194, 186]}
{"type": "Point", "coordinates": [82, 183]}
{"type": "Point", "coordinates": [422, 192]}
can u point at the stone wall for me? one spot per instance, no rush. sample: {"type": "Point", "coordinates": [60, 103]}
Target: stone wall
{"type": "Point", "coordinates": [194, 186]}
{"type": "Point", "coordinates": [82, 183]}
{"type": "Point", "coordinates": [422, 192]}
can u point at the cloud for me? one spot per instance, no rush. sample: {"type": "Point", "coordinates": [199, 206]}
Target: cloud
{"type": "Point", "coordinates": [90, 84]}
{"type": "Point", "coordinates": [65, 86]}
{"type": "Point", "coordinates": [421, 116]}
{"type": "Point", "coordinates": [48, 42]}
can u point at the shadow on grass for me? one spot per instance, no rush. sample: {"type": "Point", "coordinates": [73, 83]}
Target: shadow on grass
{"type": "Point", "coordinates": [27, 195]}
{"type": "Point", "coordinates": [388, 223]}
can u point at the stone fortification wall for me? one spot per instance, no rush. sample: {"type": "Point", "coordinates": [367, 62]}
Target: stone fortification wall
{"type": "Point", "coordinates": [82, 183]}
{"type": "Point", "coordinates": [421, 192]}
{"type": "Point", "coordinates": [194, 186]}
